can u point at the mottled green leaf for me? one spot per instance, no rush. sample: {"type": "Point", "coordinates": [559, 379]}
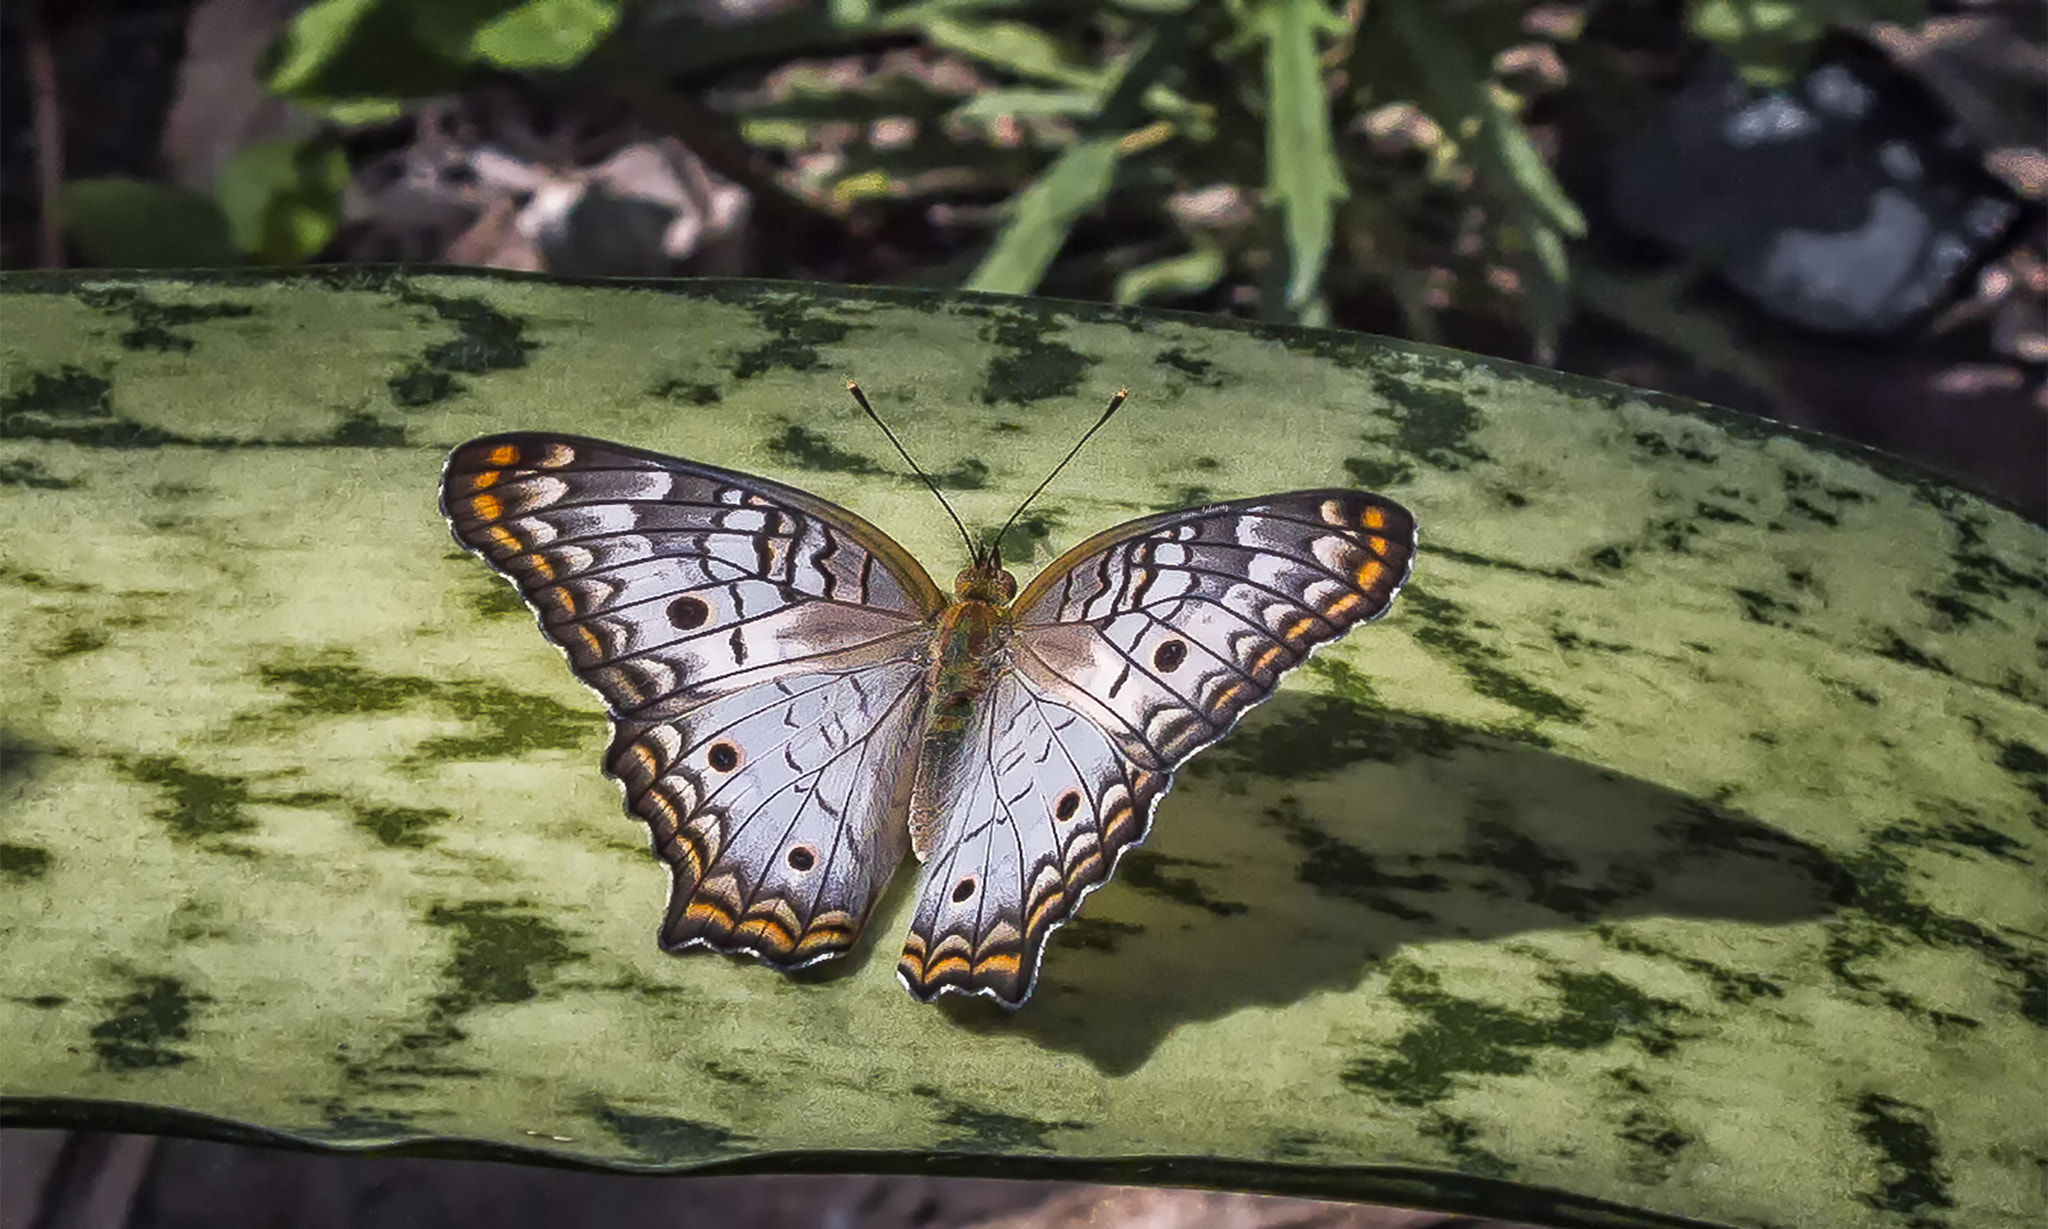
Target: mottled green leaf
{"type": "Point", "coordinates": [1672, 853]}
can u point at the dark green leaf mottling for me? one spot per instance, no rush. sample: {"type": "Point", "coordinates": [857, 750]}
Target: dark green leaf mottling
{"type": "Point", "coordinates": [1456, 1037]}
{"type": "Point", "coordinates": [141, 1030]}
{"type": "Point", "coordinates": [502, 952]}
{"type": "Point", "coordinates": [1911, 1178]}
{"type": "Point", "coordinates": [980, 1130]}
{"type": "Point", "coordinates": [1341, 869]}
{"type": "Point", "coordinates": [1147, 871]}
{"type": "Point", "coordinates": [796, 327]}
{"type": "Point", "coordinates": [152, 322]}
{"type": "Point", "coordinates": [402, 827]}
{"type": "Point", "coordinates": [505, 722]}
{"type": "Point", "coordinates": [201, 806]}
{"type": "Point", "coordinates": [1479, 662]}
{"type": "Point", "coordinates": [18, 861]}
{"type": "Point", "coordinates": [806, 449]}
{"type": "Point", "coordinates": [29, 472]}
{"type": "Point", "coordinates": [658, 1135]}
{"type": "Point", "coordinates": [486, 341]}
{"type": "Point", "coordinates": [1034, 367]}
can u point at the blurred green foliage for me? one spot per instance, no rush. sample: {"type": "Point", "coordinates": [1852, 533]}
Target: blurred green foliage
{"type": "Point", "coordinates": [1768, 40]}
{"type": "Point", "coordinates": [282, 198]}
{"type": "Point", "coordinates": [123, 223]}
{"type": "Point", "coordinates": [1266, 155]}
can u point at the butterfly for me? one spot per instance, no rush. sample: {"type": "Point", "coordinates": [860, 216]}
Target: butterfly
{"type": "Point", "coordinates": [795, 703]}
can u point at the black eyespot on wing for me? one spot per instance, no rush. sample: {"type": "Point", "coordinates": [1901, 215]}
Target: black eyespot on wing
{"type": "Point", "coordinates": [962, 890]}
{"type": "Point", "coordinates": [686, 613]}
{"type": "Point", "coordinates": [1069, 803]}
{"type": "Point", "coordinates": [723, 756]}
{"type": "Point", "coordinates": [801, 858]}
{"type": "Point", "coordinates": [1169, 655]}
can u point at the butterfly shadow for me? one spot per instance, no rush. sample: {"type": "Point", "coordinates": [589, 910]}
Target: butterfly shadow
{"type": "Point", "coordinates": [1325, 836]}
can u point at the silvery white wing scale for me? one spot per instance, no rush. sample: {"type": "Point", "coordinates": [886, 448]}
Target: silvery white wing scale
{"type": "Point", "coordinates": [794, 702]}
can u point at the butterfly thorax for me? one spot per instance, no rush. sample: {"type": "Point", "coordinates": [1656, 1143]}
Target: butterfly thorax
{"type": "Point", "coordinates": [967, 648]}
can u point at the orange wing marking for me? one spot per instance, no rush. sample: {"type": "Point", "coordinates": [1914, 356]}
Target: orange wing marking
{"type": "Point", "coordinates": [1001, 962]}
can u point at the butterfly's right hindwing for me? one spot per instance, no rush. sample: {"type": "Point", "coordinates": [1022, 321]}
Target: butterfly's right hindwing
{"type": "Point", "coordinates": [760, 651]}
{"type": "Point", "coordinates": [1034, 807]}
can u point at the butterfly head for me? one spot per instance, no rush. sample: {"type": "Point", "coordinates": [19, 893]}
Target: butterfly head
{"type": "Point", "coordinates": [985, 581]}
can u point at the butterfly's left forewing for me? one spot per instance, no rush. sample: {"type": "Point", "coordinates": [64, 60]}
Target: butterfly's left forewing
{"type": "Point", "coordinates": [1131, 653]}
{"type": "Point", "coordinates": [761, 653]}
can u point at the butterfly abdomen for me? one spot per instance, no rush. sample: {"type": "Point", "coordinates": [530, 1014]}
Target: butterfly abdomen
{"type": "Point", "coordinates": [967, 659]}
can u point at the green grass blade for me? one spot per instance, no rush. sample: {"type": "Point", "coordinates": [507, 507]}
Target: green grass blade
{"type": "Point", "coordinates": [1043, 213]}
{"type": "Point", "coordinates": [1304, 180]}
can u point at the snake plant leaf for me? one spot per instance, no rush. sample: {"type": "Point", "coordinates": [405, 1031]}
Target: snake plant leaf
{"type": "Point", "coordinates": [1672, 854]}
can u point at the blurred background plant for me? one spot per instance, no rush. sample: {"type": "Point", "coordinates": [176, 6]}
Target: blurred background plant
{"type": "Point", "coordinates": [1825, 210]}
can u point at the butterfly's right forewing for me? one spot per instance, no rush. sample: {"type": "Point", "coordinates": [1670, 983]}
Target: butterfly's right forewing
{"type": "Point", "coordinates": [761, 652]}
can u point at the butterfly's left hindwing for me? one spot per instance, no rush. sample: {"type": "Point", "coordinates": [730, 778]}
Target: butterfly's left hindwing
{"type": "Point", "coordinates": [761, 653]}
{"type": "Point", "coordinates": [780, 808]}
{"type": "Point", "coordinates": [1130, 653]}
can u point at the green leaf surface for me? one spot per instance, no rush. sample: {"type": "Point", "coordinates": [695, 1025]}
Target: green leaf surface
{"type": "Point", "coordinates": [1029, 103]}
{"type": "Point", "coordinates": [1188, 273]}
{"type": "Point", "coordinates": [1671, 855]}
{"type": "Point", "coordinates": [1030, 53]}
{"type": "Point", "coordinates": [121, 223]}
{"type": "Point", "coordinates": [544, 34]}
{"type": "Point", "coordinates": [1508, 146]}
{"type": "Point", "coordinates": [1012, 46]}
{"type": "Point", "coordinates": [381, 50]}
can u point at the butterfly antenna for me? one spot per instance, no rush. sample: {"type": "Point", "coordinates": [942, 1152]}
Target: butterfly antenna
{"type": "Point", "coordinates": [903, 452]}
{"type": "Point", "coordinates": [1115, 404]}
